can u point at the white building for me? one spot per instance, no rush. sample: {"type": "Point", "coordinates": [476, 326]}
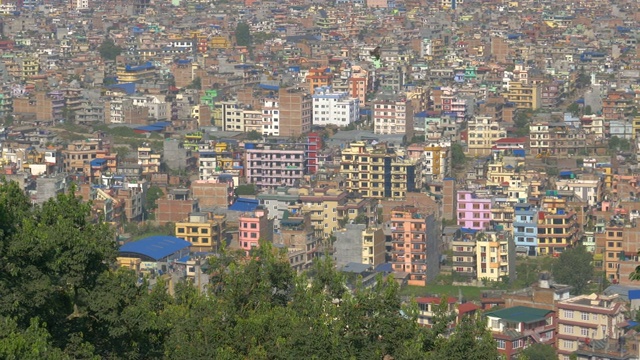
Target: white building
{"type": "Point", "coordinates": [334, 108]}
{"type": "Point", "coordinates": [393, 115]}
{"type": "Point", "coordinates": [158, 109]}
{"type": "Point", "coordinates": [270, 118]}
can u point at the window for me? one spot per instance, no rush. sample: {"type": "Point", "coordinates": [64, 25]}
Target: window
{"type": "Point", "coordinates": [567, 329]}
{"type": "Point", "coordinates": [517, 344]}
{"type": "Point", "coordinates": [567, 345]}
{"type": "Point", "coordinates": [495, 324]}
{"type": "Point", "coordinates": [585, 316]}
{"type": "Point", "coordinates": [501, 344]}
{"type": "Point", "coordinates": [568, 314]}
{"type": "Point", "coordinates": [584, 332]}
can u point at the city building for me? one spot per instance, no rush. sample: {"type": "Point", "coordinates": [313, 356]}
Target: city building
{"type": "Point", "coordinates": [558, 227]}
{"type": "Point", "coordinates": [525, 96]}
{"type": "Point", "coordinates": [378, 171]}
{"type": "Point", "coordinates": [525, 229]}
{"type": "Point", "coordinates": [495, 256]}
{"type": "Point", "coordinates": [588, 318]}
{"type": "Point", "coordinates": [253, 228]}
{"type": "Point", "coordinates": [358, 243]}
{"type": "Point", "coordinates": [393, 114]}
{"type": "Point", "coordinates": [271, 166]}
{"type": "Point", "coordinates": [295, 112]}
{"type": "Point", "coordinates": [483, 132]}
{"type": "Point", "coordinates": [474, 209]}
{"type": "Point", "coordinates": [415, 245]}
{"type": "Point", "coordinates": [203, 230]}
{"type": "Point", "coordinates": [334, 108]}
{"type": "Point", "coordinates": [516, 328]}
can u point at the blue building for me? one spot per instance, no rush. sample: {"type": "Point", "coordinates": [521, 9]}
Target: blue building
{"type": "Point", "coordinates": [525, 229]}
{"type": "Point", "coordinates": [154, 253]}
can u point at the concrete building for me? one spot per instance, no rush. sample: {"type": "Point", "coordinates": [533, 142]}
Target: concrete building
{"type": "Point", "coordinates": [359, 244]}
{"type": "Point", "coordinates": [589, 190]}
{"type": "Point", "coordinates": [393, 114]}
{"type": "Point", "coordinates": [176, 206]}
{"type": "Point", "coordinates": [495, 256]}
{"type": "Point", "coordinates": [253, 228]}
{"type": "Point", "coordinates": [270, 117]}
{"type": "Point", "coordinates": [277, 202]}
{"type": "Point", "coordinates": [176, 156]}
{"type": "Point", "coordinates": [449, 199]}
{"type": "Point", "coordinates": [203, 231]}
{"type": "Point", "coordinates": [319, 78]}
{"type": "Point", "coordinates": [298, 237]}
{"type": "Point", "coordinates": [295, 109]}
{"type": "Point", "coordinates": [474, 210]}
{"type": "Point", "coordinates": [525, 229]}
{"type": "Point", "coordinates": [415, 249]}
{"type": "Point", "coordinates": [525, 96]}
{"type": "Point", "coordinates": [379, 172]}
{"type": "Point", "coordinates": [593, 317]}
{"type": "Point", "coordinates": [149, 160]}
{"type": "Point", "coordinates": [334, 108]}
{"type": "Point", "coordinates": [271, 166]}
{"type": "Point", "coordinates": [558, 227]}
{"type": "Point", "coordinates": [213, 193]}
{"type": "Point", "coordinates": [516, 328]}
{"type": "Point", "coordinates": [483, 132]}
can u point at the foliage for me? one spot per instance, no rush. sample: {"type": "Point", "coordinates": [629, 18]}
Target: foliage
{"type": "Point", "coordinates": [522, 121]}
{"type": "Point", "coordinates": [588, 110]}
{"type": "Point", "coordinates": [152, 195]}
{"type": "Point", "coordinates": [457, 156]}
{"type": "Point", "coordinates": [195, 84]}
{"type": "Point", "coordinates": [361, 219]}
{"type": "Point", "coordinates": [246, 189]}
{"type": "Point", "coordinates": [122, 151]}
{"type": "Point", "coordinates": [574, 109]}
{"type": "Point", "coordinates": [254, 135]}
{"type": "Point", "coordinates": [616, 143]}
{"type": "Point", "coordinates": [574, 268]}
{"type": "Point", "coordinates": [243, 34]}
{"type": "Point", "coordinates": [261, 37]}
{"type": "Point", "coordinates": [539, 352]}
{"type": "Point", "coordinates": [60, 298]}
{"type": "Point", "coordinates": [109, 50]}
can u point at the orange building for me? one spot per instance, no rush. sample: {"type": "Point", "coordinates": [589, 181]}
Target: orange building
{"type": "Point", "coordinates": [319, 77]}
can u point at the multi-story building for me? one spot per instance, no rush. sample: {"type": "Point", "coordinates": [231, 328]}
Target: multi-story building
{"type": "Point", "coordinates": [435, 160]}
{"type": "Point", "coordinates": [78, 153]}
{"type": "Point", "coordinates": [555, 139]}
{"type": "Point", "coordinates": [588, 318]}
{"type": "Point", "coordinates": [252, 120]}
{"type": "Point", "coordinates": [202, 230]}
{"type": "Point", "coordinates": [46, 106]}
{"type": "Point", "coordinates": [495, 256]}
{"type": "Point", "coordinates": [379, 172]}
{"type": "Point", "coordinates": [525, 96]}
{"type": "Point", "coordinates": [271, 166]}
{"type": "Point", "coordinates": [298, 236]}
{"type": "Point", "coordinates": [270, 117]}
{"type": "Point", "coordinates": [589, 190]}
{"type": "Point", "coordinates": [135, 74]}
{"type": "Point", "coordinates": [253, 228]}
{"type": "Point", "coordinates": [516, 328]}
{"type": "Point", "coordinates": [295, 108]}
{"type": "Point", "coordinates": [277, 202]}
{"type": "Point", "coordinates": [319, 77]}
{"type": "Point", "coordinates": [227, 115]}
{"type": "Point", "coordinates": [359, 84]}
{"type": "Point", "coordinates": [557, 226]}
{"type": "Point", "coordinates": [322, 205]}
{"type": "Point", "coordinates": [415, 250]}
{"type": "Point", "coordinates": [463, 257]}
{"type": "Point", "coordinates": [525, 229]}
{"type": "Point", "coordinates": [474, 209]}
{"type": "Point", "coordinates": [149, 160]}
{"type": "Point", "coordinates": [334, 108]}
{"type": "Point", "coordinates": [360, 244]}
{"type": "Point", "coordinates": [620, 254]}
{"type": "Point", "coordinates": [482, 134]}
{"type": "Point", "coordinates": [393, 114]}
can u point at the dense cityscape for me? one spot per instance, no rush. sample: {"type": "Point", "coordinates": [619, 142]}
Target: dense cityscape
{"type": "Point", "coordinates": [349, 179]}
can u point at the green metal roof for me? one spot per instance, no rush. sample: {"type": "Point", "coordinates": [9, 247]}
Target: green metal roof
{"type": "Point", "coordinates": [520, 314]}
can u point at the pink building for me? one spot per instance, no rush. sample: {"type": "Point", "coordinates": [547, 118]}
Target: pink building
{"type": "Point", "coordinates": [271, 166]}
{"type": "Point", "coordinates": [474, 210]}
{"type": "Point", "coordinates": [254, 227]}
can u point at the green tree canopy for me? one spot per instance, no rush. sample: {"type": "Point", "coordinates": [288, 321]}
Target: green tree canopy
{"type": "Point", "coordinates": [457, 155]}
{"type": "Point", "coordinates": [539, 352]}
{"type": "Point", "coordinates": [243, 34]}
{"type": "Point", "coordinates": [574, 267]}
{"type": "Point", "coordinates": [109, 50]}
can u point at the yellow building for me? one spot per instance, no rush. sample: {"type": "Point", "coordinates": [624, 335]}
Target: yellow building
{"type": "Point", "coordinates": [359, 243]}
{"type": "Point", "coordinates": [136, 74]}
{"type": "Point", "coordinates": [30, 67]}
{"type": "Point", "coordinates": [593, 317]}
{"type": "Point", "coordinates": [149, 161]}
{"type": "Point", "coordinates": [322, 206]}
{"type": "Point", "coordinates": [525, 96]}
{"type": "Point", "coordinates": [636, 127]}
{"type": "Point", "coordinates": [219, 42]}
{"type": "Point", "coordinates": [375, 172]}
{"type": "Point", "coordinates": [495, 256]}
{"type": "Point", "coordinates": [483, 131]}
{"type": "Point", "coordinates": [203, 231]}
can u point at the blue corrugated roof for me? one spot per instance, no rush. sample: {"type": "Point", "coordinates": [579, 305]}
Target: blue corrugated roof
{"type": "Point", "coordinates": [468, 231]}
{"type": "Point", "coordinates": [155, 247]}
{"type": "Point", "coordinates": [98, 162]}
{"type": "Point", "coordinates": [244, 205]}
{"type": "Point", "coordinates": [634, 294]}
{"type": "Point", "coordinates": [149, 128]}
{"type": "Point", "coordinates": [129, 88]}
{"type": "Point", "coordinates": [269, 87]}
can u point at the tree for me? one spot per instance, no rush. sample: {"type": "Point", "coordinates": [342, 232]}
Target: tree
{"type": "Point", "coordinates": [588, 110]}
{"type": "Point", "coordinates": [457, 156]}
{"type": "Point", "coordinates": [246, 189]}
{"type": "Point", "coordinates": [151, 198]}
{"type": "Point", "coordinates": [243, 34]}
{"type": "Point", "coordinates": [254, 135]}
{"type": "Point", "coordinates": [574, 268]}
{"type": "Point", "coordinates": [196, 83]}
{"type": "Point", "coordinates": [109, 50]}
{"type": "Point", "coordinates": [470, 340]}
{"type": "Point", "coordinates": [539, 352]}
{"type": "Point", "coordinates": [574, 109]}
